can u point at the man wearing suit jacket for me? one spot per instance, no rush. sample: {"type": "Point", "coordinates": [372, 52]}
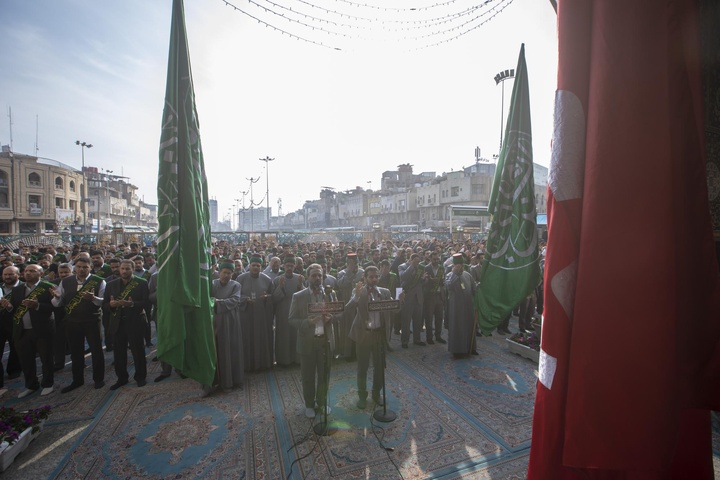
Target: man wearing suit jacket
{"type": "Point", "coordinates": [33, 328]}
{"type": "Point", "coordinates": [314, 336]}
{"type": "Point", "coordinates": [368, 332]}
{"type": "Point", "coordinates": [126, 298]}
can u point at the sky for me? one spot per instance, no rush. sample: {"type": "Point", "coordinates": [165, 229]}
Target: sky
{"type": "Point", "coordinates": [336, 113]}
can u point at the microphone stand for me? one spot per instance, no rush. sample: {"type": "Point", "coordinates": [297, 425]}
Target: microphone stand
{"type": "Point", "coordinates": [383, 415]}
{"type": "Point", "coordinates": [323, 428]}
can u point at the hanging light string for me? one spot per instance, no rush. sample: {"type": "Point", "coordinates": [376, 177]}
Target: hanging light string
{"type": "Point", "coordinates": [337, 29]}
{"type": "Point", "coordinates": [284, 32]}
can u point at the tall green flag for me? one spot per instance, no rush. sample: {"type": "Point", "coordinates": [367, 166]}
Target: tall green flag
{"type": "Point", "coordinates": [511, 269]}
{"type": "Point", "coordinates": [185, 329]}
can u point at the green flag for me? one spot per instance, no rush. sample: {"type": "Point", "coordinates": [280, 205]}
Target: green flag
{"type": "Point", "coordinates": [511, 269]}
{"type": "Point", "coordinates": [185, 327]}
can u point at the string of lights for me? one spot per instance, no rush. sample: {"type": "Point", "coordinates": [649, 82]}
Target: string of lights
{"type": "Point", "coordinates": [284, 32]}
{"type": "Point", "coordinates": [382, 30]}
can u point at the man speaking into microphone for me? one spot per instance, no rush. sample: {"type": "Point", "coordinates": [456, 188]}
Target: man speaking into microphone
{"type": "Point", "coordinates": [368, 333]}
{"type": "Point", "coordinates": [315, 331]}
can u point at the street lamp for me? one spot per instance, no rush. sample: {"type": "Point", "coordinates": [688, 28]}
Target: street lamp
{"type": "Point", "coordinates": [252, 203]}
{"type": "Point", "coordinates": [500, 78]}
{"type": "Point", "coordinates": [267, 161]}
{"type": "Point", "coordinates": [83, 146]}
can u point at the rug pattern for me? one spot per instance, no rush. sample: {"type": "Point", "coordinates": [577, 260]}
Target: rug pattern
{"type": "Point", "coordinates": [466, 418]}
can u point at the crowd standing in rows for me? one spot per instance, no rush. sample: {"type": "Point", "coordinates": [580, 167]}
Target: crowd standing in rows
{"type": "Point", "coordinates": [72, 299]}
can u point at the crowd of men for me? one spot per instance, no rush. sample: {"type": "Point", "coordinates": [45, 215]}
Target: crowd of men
{"type": "Point", "coordinates": [73, 299]}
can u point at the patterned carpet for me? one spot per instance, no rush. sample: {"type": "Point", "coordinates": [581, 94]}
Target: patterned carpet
{"type": "Point", "coordinates": [464, 418]}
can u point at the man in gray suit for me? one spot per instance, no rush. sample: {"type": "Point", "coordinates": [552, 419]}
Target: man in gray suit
{"type": "Point", "coordinates": [314, 341]}
{"type": "Point", "coordinates": [368, 332]}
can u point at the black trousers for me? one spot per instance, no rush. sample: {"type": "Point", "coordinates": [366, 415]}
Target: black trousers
{"type": "Point", "coordinates": [13, 364]}
{"type": "Point", "coordinates": [106, 324]}
{"type": "Point", "coordinates": [130, 331]}
{"type": "Point", "coordinates": [314, 368]}
{"type": "Point", "coordinates": [60, 345]}
{"type": "Point", "coordinates": [433, 313]}
{"type": "Point", "coordinates": [77, 333]}
{"type": "Point", "coordinates": [29, 345]}
{"type": "Point", "coordinates": [371, 349]}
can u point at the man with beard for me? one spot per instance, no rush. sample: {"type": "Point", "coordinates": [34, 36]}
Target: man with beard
{"type": "Point", "coordinates": [347, 279]}
{"type": "Point", "coordinates": [412, 275]}
{"type": "Point", "coordinates": [273, 269]}
{"type": "Point", "coordinates": [31, 309]}
{"type": "Point", "coordinates": [284, 286]}
{"type": "Point", "coordinates": [461, 316]}
{"type": "Point", "coordinates": [60, 345]}
{"type": "Point", "coordinates": [433, 299]}
{"type": "Point", "coordinates": [315, 333]}
{"type": "Point", "coordinates": [368, 331]}
{"type": "Point", "coordinates": [99, 267]}
{"type": "Point", "coordinates": [11, 279]}
{"type": "Point", "coordinates": [257, 317]}
{"type": "Point", "coordinates": [126, 298]}
{"type": "Point", "coordinates": [228, 331]}
{"type": "Point", "coordinates": [82, 295]}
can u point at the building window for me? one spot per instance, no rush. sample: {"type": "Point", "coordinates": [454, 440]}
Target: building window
{"type": "Point", "coordinates": [72, 186]}
{"type": "Point", "coordinates": [34, 179]}
{"type": "Point", "coordinates": [4, 190]}
{"type": "Point", "coordinates": [49, 226]}
{"type": "Point", "coordinates": [59, 202]}
{"type": "Point", "coordinates": [28, 227]}
{"type": "Point", "coordinates": [478, 189]}
{"type": "Point", "coordinates": [58, 183]}
{"type": "Point", "coordinates": [4, 227]}
{"type": "Point", "coordinates": [72, 204]}
{"type": "Point", "coordinates": [454, 191]}
{"type": "Point", "coordinates": [35, 201]}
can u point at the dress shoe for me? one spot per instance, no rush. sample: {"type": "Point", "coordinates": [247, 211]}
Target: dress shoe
{"type": "Point", "coordinates": [26, 392]}
{"type": "Point", "coordinates": [161, 377]}
{"type": "Point", "coordinates": [46, 391]}
{"type": "Point", "coordinates": [507, 331]}
{"type": "Point", "coordinates": [71, 387]}
{"type": "Point", "coordinates": [141, 383]}
{"type": "Point", "coordinates": [361, 403]}
{"type": "Point", "coordinates": [474, 352]}
{"type": "Point", "coordinates": [58, 367]}
{"type": "Point", "coordinates": [404, 345]}
{"type": "Point", "coordinates": [118, 384]}
{"type": "Point", "coordinates": [99, 385]}
{"type": "Point", "coordinates": [430, 341]}
{"type": "Point", "coordinates": [530, 328]}
{"type": "Point", "coordinates": [309, 412]}
{"type": "Point", "coordinates": [420, 344]}
{"type": "Point", "coordinates": [14, 375]}
{"type": "Point", "coordinates": [440, 340]}
{"type": "Point", "coordinates": [500, 331]}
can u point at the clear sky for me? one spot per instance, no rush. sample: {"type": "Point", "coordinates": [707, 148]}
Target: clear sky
{"type": "Point", "coordinates": [95, 72]}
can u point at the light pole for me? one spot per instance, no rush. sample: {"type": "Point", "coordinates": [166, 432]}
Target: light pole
{"type": "Point", "coordinates": [83, 197]}
{"type": "Point", "coordinates": [252, 218]}
{"type": "Point", "coordinates": [500, 78]}
{"type": "Point", "coordinates": [267, 161]}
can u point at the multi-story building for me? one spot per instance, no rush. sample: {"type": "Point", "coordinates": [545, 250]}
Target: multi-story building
{"type": "Point", "coordinates": [37, 194]}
